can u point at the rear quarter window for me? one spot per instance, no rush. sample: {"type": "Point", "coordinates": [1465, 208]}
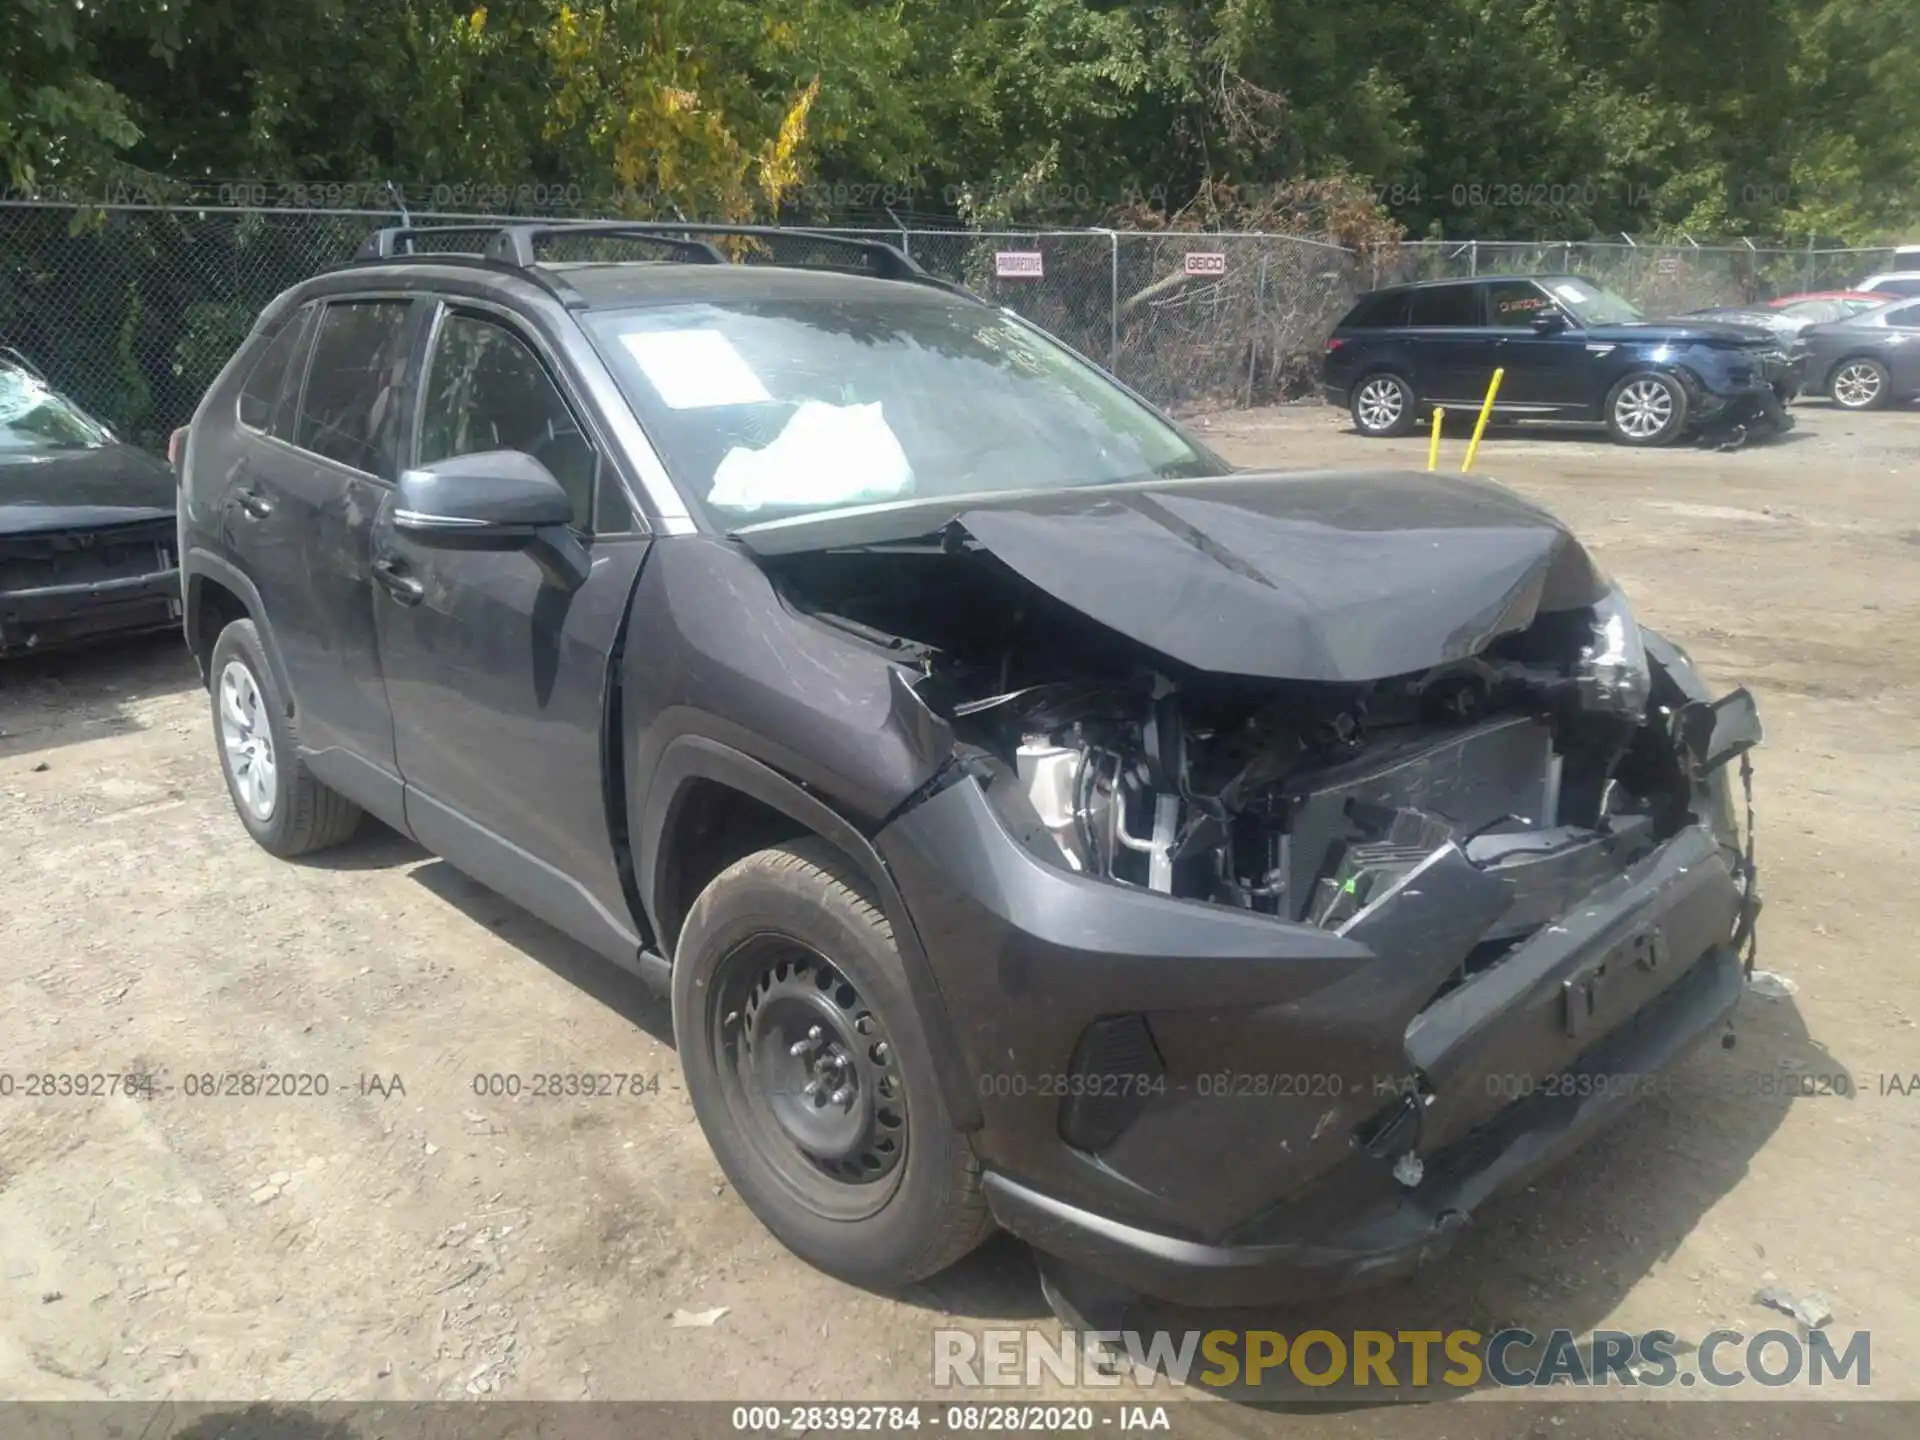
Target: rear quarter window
{"type": "Point", "coordinates": [1455, 306]}
{"type": "Point", "coordinates": [1377, 311]}
{"type": "Point", "coordinates": [273, 385]}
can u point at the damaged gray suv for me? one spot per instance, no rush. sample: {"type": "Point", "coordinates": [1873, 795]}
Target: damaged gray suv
{"type": "Point", "coordinates": [1206, 876]}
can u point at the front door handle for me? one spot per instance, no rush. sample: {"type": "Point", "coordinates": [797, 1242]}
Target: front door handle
{"type": "Point", "coordinates": [253, 503]}
{"type": "Point", "coordinates": [403, 587]}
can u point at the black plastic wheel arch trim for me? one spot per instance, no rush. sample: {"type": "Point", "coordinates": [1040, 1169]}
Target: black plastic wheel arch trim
{"type": "Point", "coordinates": [690, 758]}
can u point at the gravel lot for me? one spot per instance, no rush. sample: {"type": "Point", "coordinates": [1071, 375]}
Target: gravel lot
{"type": "Point", "coordinates": [403, 1236]}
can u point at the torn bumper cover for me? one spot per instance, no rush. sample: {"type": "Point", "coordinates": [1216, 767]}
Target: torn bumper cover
{"type": "Point", "coordinates": [1221, 1107]}
{"type": "Point", "coordinates": [61, 587]}
{"type": "Point", "coordinates": [1760, 408]}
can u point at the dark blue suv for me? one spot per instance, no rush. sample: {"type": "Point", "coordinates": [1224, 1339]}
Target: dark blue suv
{"type": "Point", "coordinates": [1571, 350]}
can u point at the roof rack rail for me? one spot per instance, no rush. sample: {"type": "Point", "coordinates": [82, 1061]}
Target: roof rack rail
{"type": "Point", "coordinates": [516, 244]}
{"type": "Point", "coordinates": [514, 247]}
{"type": "Point", "coordinates": [395, 246]}
{"type": "Point", "coordinates": [400, 241]}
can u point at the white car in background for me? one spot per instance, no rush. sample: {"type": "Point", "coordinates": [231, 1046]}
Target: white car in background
{"type": "Point", "coordinates": [1896, 282]}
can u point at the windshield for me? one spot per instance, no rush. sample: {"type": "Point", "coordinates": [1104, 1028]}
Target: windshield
{"type": "Point", "coordinates": [33, 418]}
{"type": "Point", "coordinates": [1591, 305]}
{"type": "Point", "coordinates": [774, 408]}
{"type": "Point", "coordinates": [1815, 311]}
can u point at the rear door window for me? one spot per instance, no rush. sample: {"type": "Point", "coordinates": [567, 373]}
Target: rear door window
{"type": "Point", "coordinates": [350, 408]}
{"type": "Point", "coordinates": [272, 391]}
{"type": "Point", "coordinates": [1452, 306]}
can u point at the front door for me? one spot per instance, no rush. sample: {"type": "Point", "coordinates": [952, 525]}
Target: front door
{"type": "Point", "coordinates": [1547, 372]}
{"type": "Point", "coordinates": [499, 678]}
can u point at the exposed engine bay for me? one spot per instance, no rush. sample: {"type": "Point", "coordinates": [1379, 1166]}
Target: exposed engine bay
{"type": "Point", "coordinates": [1540, 756]}
{"type": "Point", "coordinates": [1307, 802]}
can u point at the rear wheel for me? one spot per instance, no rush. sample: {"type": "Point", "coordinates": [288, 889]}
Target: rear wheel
{"type": "Point", "coordinates": [1382, 405]}
{"type": "Point", "coordinates": [283, 807]}
{"type": "Point", "coordinates": [1861, 383]}
{"type": "Point", "coordinates": [1647, 408]}
{"type": "Point", "coordinates": [807, 1069]}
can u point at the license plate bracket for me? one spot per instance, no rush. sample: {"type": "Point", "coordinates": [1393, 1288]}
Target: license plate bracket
{"type": "Point", "coordinates": [1605, 985]}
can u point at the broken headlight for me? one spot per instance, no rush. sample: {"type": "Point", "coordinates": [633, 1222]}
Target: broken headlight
{"type": "Point", "coordinates": [1613, 663]}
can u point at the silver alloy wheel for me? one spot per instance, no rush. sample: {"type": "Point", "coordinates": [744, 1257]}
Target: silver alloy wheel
{"type": "Point", "coordinates": [1857, 385]}
{"type": "Point", "coordinates": [1380, 403]}
{"type": "Point", "coordinates": [1644, 409]}
{"type": "Point", "coordinates": [248, 740]}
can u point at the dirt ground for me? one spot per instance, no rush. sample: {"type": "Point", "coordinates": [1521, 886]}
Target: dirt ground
{"type": "Point", "coordinates": [403, 1236]}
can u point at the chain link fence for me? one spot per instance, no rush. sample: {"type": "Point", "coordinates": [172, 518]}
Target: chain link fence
{"type": "Point", "coordinates": [132, 310]}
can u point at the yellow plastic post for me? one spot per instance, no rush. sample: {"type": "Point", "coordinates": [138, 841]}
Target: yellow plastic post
{"type": "Point", "coordinates": [1433, 449]}
{"type": "Point", "coordinates": [1480, 427]}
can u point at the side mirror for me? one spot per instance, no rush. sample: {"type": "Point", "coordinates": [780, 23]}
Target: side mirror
{"type": "Point", "coordinates": [1547, 322]}
{"type": "Point", "coordinates": [494, 500]}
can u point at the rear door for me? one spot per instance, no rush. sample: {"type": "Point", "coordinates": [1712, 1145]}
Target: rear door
{"type": "Point", "coordinates": [300, 509]}
{"type": "Point", "coordinates": [1548, 374]}
{"type": "Point", "coordinates": [1453, 350]}
{"type": "Point", "coordinates": [499, 679]}
{"type": "Point", "coordinates": [1901, 350]}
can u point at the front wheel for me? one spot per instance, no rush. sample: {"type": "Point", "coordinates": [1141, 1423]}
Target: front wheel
{"type": "Point", "coordinates": [807, 1068]}
{"type": "Point", "coordinates": [1647, 408]}
{"type": "Point", "coordinates": [1383, 406]}
{"type": "Point", "coordinates": [1861, 384]}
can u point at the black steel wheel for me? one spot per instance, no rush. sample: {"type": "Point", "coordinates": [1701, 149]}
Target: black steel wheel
{"type": "Point", "coordinates": [810, 1075]}
{"type": "Point", "coordinates": [809, 1070]}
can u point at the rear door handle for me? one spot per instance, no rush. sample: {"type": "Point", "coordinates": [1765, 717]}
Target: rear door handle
{"type": "Point", "coordinates": [403, 587]}
{"type": "Point", "coordinates": [253, 503]}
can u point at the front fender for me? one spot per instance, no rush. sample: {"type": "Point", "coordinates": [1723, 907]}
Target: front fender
{"type": "Point", "coordinates": [688, 759]}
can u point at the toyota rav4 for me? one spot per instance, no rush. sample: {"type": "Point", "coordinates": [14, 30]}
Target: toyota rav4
{"type": "Point", "coordinates": [1202, 874]}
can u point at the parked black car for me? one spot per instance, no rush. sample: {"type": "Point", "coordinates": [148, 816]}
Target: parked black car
{"type": "Point", "coordinates": [1867, 361]}
{"type": "Point", "coordinates": [1032, 820]}
{"type": "Point", "coordinates": [1571, 351]}
{"type": "Point", "coordinates": [86, 523]}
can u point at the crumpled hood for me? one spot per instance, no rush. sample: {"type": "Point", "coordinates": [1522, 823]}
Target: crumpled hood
{"type": "Point", "coordinates": [1337, 577]}
{"type": "Point", "coordinates": [1682, 332]}
{"type": "Point", "coordinates": [79, 489]}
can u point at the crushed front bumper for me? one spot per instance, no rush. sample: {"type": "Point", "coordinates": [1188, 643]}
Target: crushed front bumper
{"type": "Point", "coordinates": [1760, 408]}
{"type": "Point", "coordinates": [1214, 1106]}
{"type": "Point", "coordinates": [1308, 1247]}
{"type": "Point", "coordinates": [46, 616]}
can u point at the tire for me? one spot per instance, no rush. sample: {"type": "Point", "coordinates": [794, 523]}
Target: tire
{"type": "Point", "coordinates": [1647, 408]}
{"type": "Point", "coordinates": [785, 962]}
{"type": "Point", "coordinates": [1382, 406]}
{"type": "Point", "coordinates": [1860, 382]}
{"type": "Point", "coordinates": [283, 807]}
